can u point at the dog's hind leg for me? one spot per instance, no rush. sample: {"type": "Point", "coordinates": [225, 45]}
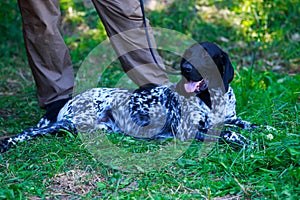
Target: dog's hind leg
{"type": "Point", "coordinates": [33, 132]}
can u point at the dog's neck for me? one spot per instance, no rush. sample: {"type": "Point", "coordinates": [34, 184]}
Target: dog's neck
{"type": "Point", "coordinates": [205, 97]}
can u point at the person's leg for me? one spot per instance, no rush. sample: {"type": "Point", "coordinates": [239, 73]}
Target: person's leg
{"type": "Point", "coordinates": [123, 21]}
{"type": "Point", "coordinates": [47, 53]}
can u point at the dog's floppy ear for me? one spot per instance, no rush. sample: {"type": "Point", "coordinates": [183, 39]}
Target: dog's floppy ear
{"type": "Point", "coordinates": [228, 71]}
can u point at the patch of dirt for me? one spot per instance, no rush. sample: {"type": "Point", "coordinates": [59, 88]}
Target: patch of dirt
{"type": "Point", "coordinates": [72, 183]}
{"type": "Point", "coordinates": [131, 187]}
{"type": "Point", "coordinates": [229, 197]}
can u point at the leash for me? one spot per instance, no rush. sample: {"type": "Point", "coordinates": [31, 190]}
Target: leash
{"type": "Point", "coordinates": [149, 42]}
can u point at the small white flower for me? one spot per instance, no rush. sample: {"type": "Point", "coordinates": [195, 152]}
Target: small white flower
{"type": "Point", "coordinates": [270, 128]}
{"type": "Point", "coordinates": [270, 137]}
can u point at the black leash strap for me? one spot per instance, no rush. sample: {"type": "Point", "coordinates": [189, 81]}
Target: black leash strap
{"type": "Point", "coordinates": [149, 42]}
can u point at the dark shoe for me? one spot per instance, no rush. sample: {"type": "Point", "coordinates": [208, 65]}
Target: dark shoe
{"type": "Point", "coordinates": [52, 111]}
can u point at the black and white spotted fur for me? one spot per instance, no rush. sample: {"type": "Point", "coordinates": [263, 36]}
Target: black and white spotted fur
{"type": "Point", "coordinates": [153, 113]}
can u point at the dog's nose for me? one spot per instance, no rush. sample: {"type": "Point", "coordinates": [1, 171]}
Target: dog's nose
{"type": "Point", "coordinates": [187, 67]}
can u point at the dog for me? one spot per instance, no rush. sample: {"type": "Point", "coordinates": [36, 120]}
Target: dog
{"type": "Point", "coordinates": [190, 109]}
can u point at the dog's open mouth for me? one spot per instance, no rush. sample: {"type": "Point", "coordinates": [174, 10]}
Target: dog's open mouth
{"type": "Point", "coordinates": [197, 86]}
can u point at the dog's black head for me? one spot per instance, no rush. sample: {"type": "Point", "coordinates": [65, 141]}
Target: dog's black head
{"type": "Point", "coordinates": [196, 82]}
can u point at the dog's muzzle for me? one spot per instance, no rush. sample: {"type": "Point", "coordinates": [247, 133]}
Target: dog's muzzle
{"type": "Point", "coordinates": [195, 82]}
{"type": "Point", "coordinates": [197, 86]}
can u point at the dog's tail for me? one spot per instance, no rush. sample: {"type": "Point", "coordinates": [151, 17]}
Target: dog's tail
{"type": "Point", "coordinates": [32, 132]}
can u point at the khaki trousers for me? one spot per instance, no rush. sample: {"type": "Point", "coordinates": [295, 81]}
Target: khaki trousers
{"type": "Point", "coordinates": [49, 58]}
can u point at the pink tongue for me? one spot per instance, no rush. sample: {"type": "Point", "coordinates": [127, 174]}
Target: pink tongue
{"type": "Point", "coordinates": [191, 86]}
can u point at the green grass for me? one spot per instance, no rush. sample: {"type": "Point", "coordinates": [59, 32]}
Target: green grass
{"type": "Point", "coordinates": [61, 167]}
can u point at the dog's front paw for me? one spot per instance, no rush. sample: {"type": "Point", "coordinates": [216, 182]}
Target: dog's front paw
{"type": "Point", "coordinates": [234, 139]}
{"type": "Point", "coordinates": [252, 127]}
